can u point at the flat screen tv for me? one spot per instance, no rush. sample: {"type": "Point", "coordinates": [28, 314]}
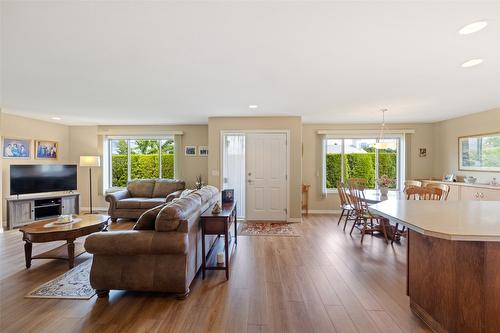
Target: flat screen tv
{"type": "Point", "coordinates": [25, 179]}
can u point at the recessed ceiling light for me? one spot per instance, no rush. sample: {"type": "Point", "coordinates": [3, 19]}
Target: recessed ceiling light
{"type": "Point", "coordinates": [472, 63]}
{"type": "Point", "coordinates": [473, 27]}
{"type": "Point", "coordinates": [253, 106]}
{"type": "Point", "coordinates": [56, 118]}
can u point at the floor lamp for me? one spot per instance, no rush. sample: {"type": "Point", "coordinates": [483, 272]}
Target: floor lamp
{"type": "Point", "coordinates": [90, 162]}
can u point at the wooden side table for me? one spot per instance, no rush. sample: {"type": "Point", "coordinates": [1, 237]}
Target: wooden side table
{"type": "Point", "coordinates": [218, 224]}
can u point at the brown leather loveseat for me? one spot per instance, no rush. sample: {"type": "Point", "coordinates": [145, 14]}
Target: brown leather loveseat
{"type": "Point", "coordinates": [162, 253]}
{"type": "Point", "coordinates": [141, 195]}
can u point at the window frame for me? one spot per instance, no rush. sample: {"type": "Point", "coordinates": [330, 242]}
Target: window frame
{"type": "Point", "coordinates": [400, 157]}
{"type": "Point", "coordinates": [109, 157]}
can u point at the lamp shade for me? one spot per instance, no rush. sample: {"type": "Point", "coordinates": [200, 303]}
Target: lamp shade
{"type": "Point", "coordinates": [90, 161]}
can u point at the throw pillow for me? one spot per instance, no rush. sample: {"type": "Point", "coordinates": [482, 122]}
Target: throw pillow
{"type": "Point", "coordinates": [147, 220]}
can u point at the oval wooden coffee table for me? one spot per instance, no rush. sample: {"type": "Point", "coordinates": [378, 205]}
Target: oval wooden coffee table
{"type": "Point", "coordinates": [48, 231]}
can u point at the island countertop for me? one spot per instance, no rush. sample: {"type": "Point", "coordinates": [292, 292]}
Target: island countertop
{"type": "Point", "coordinates": [451, 220]}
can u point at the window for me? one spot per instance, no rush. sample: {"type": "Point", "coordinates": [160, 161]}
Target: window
{"type": "Point", "coordinates": [139, 158]}
{"type": "Point", "coordinates": [352, 157]}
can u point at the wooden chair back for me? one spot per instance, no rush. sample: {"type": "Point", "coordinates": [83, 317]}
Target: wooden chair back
{"type": "Point", "coordinates": [357, 181]}
{"type": "Point", "coordinates": [423, 193]}
{"type": "Point", "coordinates": [412, 183]}
{"type": "Point", "coordinates": [443, 187]}
{"type": "Point", "coordinates": [343, 196]}
{"type": "Point", "coordinates": [357, 198]}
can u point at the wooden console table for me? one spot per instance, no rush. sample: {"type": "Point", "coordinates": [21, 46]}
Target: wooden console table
{"type": "Point", "coordinates": [218, 224]}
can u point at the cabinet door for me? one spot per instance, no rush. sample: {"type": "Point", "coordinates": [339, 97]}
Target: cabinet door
{"type": "Point", "coordinates": [68, 205]}
{"type": "Point", "coordinates": [454, 194]}
{"type": "Point", "coordinates": [20, 213]}
{"type": "Point", "coordinates": [487, 194]}
{"type": "Point", "coordinates": [470, 193]}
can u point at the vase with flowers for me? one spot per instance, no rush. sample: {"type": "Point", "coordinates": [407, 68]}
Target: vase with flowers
{"type": "Point", "coordinates": [384, 183]}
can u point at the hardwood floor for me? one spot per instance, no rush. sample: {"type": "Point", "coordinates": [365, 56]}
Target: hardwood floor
{"type": "Point", "coordinates": [324, 281]}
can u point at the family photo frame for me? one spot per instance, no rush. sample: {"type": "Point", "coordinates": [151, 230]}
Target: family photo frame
{"type": "Point", "coordinates": [16, 148]}
{"type": "Point", "coordinates": [45, 149]}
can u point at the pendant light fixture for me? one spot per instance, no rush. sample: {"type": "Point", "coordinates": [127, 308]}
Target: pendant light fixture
{"type": "Point", "coordinates": [380, 141]}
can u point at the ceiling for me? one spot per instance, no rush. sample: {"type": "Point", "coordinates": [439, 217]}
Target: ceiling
{"type": "Point", "coordinates": [182, 62]}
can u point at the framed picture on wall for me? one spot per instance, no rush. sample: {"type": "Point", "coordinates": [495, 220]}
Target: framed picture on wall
{"type": "Point", "coordinates": [479, 152]}
{"type": "Point", "coordinates": [203, 150]}
{"type": "Point", "coordinates": [46, 150]}
{"type": "Point", "coordinates": [16, 148]}
{"type": "Point", "coordinates": [190, 150]}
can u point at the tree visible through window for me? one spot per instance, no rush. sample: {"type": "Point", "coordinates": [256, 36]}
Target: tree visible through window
{"type": "Point", "coordinates": [358, 158]}
{"type": "Point", "coordinates": [140, 159]}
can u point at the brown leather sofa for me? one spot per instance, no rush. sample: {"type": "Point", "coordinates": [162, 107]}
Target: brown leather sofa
{"type": "Point", "coordinates": [141, 195]}
{"type": "Point", "coordinates": [162, 253]}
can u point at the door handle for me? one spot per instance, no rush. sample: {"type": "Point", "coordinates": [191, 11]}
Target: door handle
{"type": "Point", "coordinates": [249, 181]}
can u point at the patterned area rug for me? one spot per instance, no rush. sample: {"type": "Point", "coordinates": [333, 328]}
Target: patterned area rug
{"type": "Point", "coordinates": [268, 229]}
{"type": "Point", "coordinates": [74, 284]}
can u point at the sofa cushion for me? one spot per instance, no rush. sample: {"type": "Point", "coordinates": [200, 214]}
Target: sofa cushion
{"type": "Point", "coordinates": [147, 220]}
{"type": "Point", "coordinates": [141, 188]}
{"type": "Point", "coordinates": [130, 203]}
{"type": "Point", "coordinates": [169, 217]}
{"type": "Point", "coordinates": [164, 187]}
{"type": "Point", "coordinates": [185, 193]}
{"type": "Point", "coordinates": [152, 202]}
{"type": "Point", "coordinates": [206, 193]}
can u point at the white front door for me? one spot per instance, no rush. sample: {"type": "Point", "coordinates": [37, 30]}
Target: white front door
{"type": "Point", "coordinates": [266, 173]}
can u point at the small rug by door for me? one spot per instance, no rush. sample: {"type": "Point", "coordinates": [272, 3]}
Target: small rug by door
{"type": "Point", "coordinates": [268, 229]}
{"type": "Point", "coordinates": [74, 284]}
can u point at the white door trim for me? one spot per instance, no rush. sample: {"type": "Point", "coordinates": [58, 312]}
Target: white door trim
{"type": "Point", "coordinates": [277, 131]}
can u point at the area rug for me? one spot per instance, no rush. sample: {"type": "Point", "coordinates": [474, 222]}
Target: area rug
{"type": "Point", "coordinates": [74, 284]}
{"type": "Point", "coordinates": [268, 229]}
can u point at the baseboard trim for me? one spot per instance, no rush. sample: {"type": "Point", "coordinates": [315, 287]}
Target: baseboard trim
{"type": "Point", "coordinates": [322, 211]}
{"type": "Point", "coordinates": [294, 219]}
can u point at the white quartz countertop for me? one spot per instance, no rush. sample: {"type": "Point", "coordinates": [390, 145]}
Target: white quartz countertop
{"type": "Point", "coordinates": [452, 220]}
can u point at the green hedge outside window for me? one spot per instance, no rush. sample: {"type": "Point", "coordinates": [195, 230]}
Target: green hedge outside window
{"type": "Point", "coordinates": [358, 165]}
{"type": "Point", "coordinates": [144, 166]}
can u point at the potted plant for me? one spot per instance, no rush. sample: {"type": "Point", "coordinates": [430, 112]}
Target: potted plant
{"type": "Point", "coordinates": [384, 183]}
{"type": "Point", "coordinates": [199, 183]}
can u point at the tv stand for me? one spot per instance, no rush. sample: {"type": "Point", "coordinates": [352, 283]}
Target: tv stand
{"type": "Point", "coordinates": [22, 210]}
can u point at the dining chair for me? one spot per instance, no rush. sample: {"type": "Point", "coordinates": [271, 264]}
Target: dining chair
{"type": "Point", "coordinates": [412, 183]}
{"type": "Point", "coordinates": [363, 216]}
{"type": "Point", "coordinates": [443, 187]}
{"type": "Point", "coordinates": [417, 193]}
{"type": "Point", "coordinates": [345, 204]}
{"type": "Point", "coordinates": [357, 181]}
{"type": "Point", "coordinates": [424, 193]}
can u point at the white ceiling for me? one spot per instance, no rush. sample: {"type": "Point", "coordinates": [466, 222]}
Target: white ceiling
{"type": "Point", "coordinates": [172, 63]}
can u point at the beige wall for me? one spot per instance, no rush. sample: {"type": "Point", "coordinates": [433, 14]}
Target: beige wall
{"type": "Point", "coordinates": [291, 124]}
{"type": "Point", "coordinates": [447, 133]}
{"type": "Point", "coordinates": [25, 128]}
{"type": "Point", "coordinates": [416, 167]}
{"type": "Point", "coordinates": [440, 139]}
{"type": "Point", "coordinates": [84, 140]}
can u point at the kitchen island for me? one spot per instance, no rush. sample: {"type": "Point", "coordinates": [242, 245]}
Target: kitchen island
{"type": "Point", "coordinates": [453, 261]}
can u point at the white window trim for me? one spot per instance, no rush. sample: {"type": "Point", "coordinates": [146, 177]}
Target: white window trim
{"type": "Point", "coordinates": [107, 162]}
{"type": "Point", "coordinates": [366, 134]}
